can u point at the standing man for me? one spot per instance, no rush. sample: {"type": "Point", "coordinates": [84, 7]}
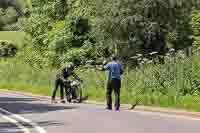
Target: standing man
{"type": "Point", "coordinates": [114, 82]}
{"type": "Point", "coordinates": [59, 83]}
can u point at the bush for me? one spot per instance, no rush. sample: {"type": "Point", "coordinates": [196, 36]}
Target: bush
{"type": "Point", "coordinates": [195, 27]}
{"type": "Point", "coordinates": [7, 48]}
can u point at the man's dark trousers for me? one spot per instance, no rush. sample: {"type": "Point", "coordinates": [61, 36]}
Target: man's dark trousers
{"type": "Point", "coordinates": [58, 83]}
{"type": "Point", "coordinates": [113, 85]}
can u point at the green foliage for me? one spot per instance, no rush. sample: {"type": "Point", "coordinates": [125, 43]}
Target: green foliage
{"type": "Point", "coordinates": [131, 26]}
{"type": "Point", "coordinates": [122, 27]}
{"type": "Point", "coordinates": [79, 29]}
{"type": "Point", "coordinates": [58, 32]}
{"type": "Point", "coordinates": [17, 37]}
{"type": "Point", "coordinates": [7, 48]}
{"type": "Point", "coordinates": [195, 27]}
{"type": "Point", "coordinates": [21, 76]}
{"type": "Point", "coordinates": [61, 9]}
{"type": "Point", "coordinates": [8, 16]}
{"type": "Point", "coordinates": [10, 12]}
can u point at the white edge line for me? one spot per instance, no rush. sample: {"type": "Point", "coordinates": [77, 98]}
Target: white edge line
{"type": "Point", "coordinates": [24, 129]}
{"type": "Point", "coordinates": [38, 128]}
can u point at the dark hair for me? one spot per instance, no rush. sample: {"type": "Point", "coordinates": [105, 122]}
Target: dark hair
{"type": "Point", "coordinates": [114, 57]}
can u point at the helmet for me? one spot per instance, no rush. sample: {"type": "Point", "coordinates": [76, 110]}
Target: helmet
{"type": "Point", "coordinates": [71, 66]}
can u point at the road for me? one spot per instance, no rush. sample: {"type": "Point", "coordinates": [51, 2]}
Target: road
{"type": "Point", "coordinates": [22, 114]}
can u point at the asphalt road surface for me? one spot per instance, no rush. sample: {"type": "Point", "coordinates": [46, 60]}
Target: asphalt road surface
{"type": "Point", "coordinates": [22, 114]}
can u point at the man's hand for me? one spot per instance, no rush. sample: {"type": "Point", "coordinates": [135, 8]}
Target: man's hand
{"type": "Point", "coordinates": [81, 80]}
{"type": "Point", "coordinates": [64, 80]}
{"type": "Point", "coordinates": [104, 62]}
{"type": "Point", "coordinates": [100, 67]}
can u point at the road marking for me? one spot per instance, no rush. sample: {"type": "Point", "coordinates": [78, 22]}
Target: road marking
{"type": "Point", "coordinates": [165, 115]}
{"type": "Point", "coordinates": [34, 125]}
{"type": "Point", "coordinates": [20, 126]}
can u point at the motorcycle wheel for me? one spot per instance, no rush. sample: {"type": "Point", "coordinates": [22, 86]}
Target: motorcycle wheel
{"type": "Point", "coordinates": [79, 94]}
{"type": "Point", "coordinates": [68, 95]}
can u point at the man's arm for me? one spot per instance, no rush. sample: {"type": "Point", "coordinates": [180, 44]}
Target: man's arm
{"type": "Point", "coordinates": [76, 76]}
{"type": "Point", "coordinates": [105, 66]}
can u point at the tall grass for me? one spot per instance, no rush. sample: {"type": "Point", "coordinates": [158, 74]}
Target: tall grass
{"type": "Point", "coordinates": [19, 76]}
{"type": "Point", "coordinates": [173, 84]}
{"type": "Point", "coordinates": [15, 36]}
{"type": "Point", "coordinates": [168, 85]}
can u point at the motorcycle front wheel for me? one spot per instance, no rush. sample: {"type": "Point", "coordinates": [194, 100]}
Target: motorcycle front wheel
{"type": "Point", "coordinates": [74, 94]}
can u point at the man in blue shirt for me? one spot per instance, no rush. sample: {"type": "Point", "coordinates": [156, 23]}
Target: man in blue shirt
{"type": "Point", "coordinates": [114, 82]}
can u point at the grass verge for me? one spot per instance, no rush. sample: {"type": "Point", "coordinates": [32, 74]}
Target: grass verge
{"type": "Point", "coordinates": [137, 85]}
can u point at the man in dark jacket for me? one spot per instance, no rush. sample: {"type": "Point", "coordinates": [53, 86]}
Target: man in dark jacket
{"type": "Point", "coordinates": [61, 79]}
{"type": "Point", "coordinates": [114, 82]}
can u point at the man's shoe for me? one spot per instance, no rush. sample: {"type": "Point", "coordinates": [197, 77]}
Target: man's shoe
{"type": "Point", "coordinates": [63, 101]}
{"type": "Point", "coordinates": [53, 101]}
{"type": "Point", "coordinates": [117, 109]}
{"type": "Point", "coordinates": [108, 108]}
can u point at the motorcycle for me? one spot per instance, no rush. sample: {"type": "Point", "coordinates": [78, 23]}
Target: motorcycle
{"type": "Point", "coordinates": [74, 91]}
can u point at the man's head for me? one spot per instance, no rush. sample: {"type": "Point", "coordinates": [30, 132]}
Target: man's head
{"type": "Point", "coordinates": [114, 58]}
{"type": "Point", "coordinates": [71, 66]}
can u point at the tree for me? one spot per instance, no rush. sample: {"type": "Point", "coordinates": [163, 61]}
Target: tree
{"type": "Point", "coordinates": [139, 25]}
{"type": "Point", "coordinates": [102, 27]}
{"type": "Point", "coordinates": [10, 12]}
{"type": "Point", "coordinates": [195, 27]}
{"type": "Point", "coordinates": [8, 16]}
{"type": "Point", "coordinates": [16, 4]}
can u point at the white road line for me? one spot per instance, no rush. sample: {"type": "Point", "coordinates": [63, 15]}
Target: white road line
{"type": "Point", "coordinates": [20, 126]}
{"type": "Point", "coordinates": [166, 115]}
{"type": "Point", "coordinates": [34, 125]}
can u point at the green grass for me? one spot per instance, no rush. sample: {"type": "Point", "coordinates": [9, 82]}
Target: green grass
{"type": "Point", "coordinates": [23, 78]}
{"type": "Point", "coordinates": [15, 36]}
{"type": "Point", "coordinates": [26, 2]}
{"type": "Point", "coordinates": [140, 85]}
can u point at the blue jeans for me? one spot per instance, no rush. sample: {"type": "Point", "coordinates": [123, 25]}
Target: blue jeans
{"type": "Point", "coordinates": [58, 83]}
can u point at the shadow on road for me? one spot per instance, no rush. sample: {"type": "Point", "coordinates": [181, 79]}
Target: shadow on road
{"type": "Point", "coordinates": [44, 124]}
{"type": "Point", "coordinates": [8, 128]}
{"type": "Point", "coordinates": [49, 123]}
{"type": "Point", "coordinates": [30, 105]}
{"type": "Point", "coordinates": [7, 99]}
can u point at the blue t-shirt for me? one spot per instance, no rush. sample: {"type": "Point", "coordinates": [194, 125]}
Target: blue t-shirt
{"type": "Point", "coordinates": [115, 70]}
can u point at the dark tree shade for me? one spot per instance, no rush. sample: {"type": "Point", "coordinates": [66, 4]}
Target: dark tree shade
{"type": "Point", "coordinates": [13, 3]}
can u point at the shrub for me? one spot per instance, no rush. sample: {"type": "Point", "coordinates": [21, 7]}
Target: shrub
{"type": "Point", "coordinates": [7, 48]}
